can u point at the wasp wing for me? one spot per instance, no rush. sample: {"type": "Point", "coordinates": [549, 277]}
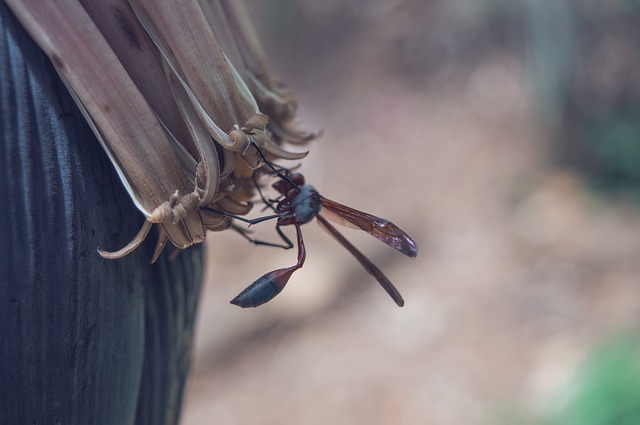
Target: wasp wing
{"type": "Point", "coordinates": [377, 227]}
{"type": "Point", "coordinates": [366, 263]}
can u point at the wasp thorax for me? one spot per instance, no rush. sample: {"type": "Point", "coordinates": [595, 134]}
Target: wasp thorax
{"type": "Point", "coordinates": [306, 204]}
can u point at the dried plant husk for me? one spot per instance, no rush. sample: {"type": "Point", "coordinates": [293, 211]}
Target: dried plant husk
{"type": "Point", "coordinates": [218, 93]}
{"type": "Point", "coordinates": [118, 113]}
{"type": "Point", "coordinates": [178, 119]}
{"type": "Point", "coordinates": [231, 23]}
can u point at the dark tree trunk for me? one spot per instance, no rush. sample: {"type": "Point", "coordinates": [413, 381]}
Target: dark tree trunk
{"type": "Point", "coordinates": [84, 340]}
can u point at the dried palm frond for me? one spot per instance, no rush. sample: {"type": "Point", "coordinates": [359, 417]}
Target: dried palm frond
{"type": "Point", "coordinates": [180, 97]}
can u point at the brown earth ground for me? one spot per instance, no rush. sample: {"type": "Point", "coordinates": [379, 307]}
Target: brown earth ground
{"type": "Point", "coordinates": [521, 270]}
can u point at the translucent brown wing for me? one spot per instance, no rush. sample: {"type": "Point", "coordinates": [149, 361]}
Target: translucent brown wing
{"type": "Point", "coordinates": [366, 263]}
{"type": "Point", "coordinates": [377, 227]}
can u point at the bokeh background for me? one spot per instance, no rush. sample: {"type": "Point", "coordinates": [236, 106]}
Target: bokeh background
{"type": "Point", "coordinates": [505, 137]}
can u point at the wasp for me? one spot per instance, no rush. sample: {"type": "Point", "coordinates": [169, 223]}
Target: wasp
{"type": "Point", "coordinates": [298, 204]}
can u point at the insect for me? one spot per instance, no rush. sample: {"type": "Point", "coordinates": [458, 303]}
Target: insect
{"type": "Point", "coordinates": [299, 204]}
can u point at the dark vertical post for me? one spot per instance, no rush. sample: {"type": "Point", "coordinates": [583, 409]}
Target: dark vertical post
{"type": "Point", "coordinates": [83, 340]}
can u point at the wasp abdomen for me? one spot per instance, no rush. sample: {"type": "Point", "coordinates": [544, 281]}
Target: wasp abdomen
{"type": "Point", "coordinates": [264, 289]}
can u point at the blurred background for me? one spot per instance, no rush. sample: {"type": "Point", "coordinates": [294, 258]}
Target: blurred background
{"type": "Point", "coordinates": [504, 136]}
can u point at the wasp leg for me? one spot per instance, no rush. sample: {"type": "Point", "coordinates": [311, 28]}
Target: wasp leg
{"type": "Point", "coordinates": [267, 203]}
{"type": "Point", "coordinates": [287, 242]}
{"type": "Point", "coordinates": [250, 221]}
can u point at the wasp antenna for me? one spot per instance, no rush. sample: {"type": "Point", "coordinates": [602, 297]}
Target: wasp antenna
{"type": "Point", "coordinates": [270, 165]}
